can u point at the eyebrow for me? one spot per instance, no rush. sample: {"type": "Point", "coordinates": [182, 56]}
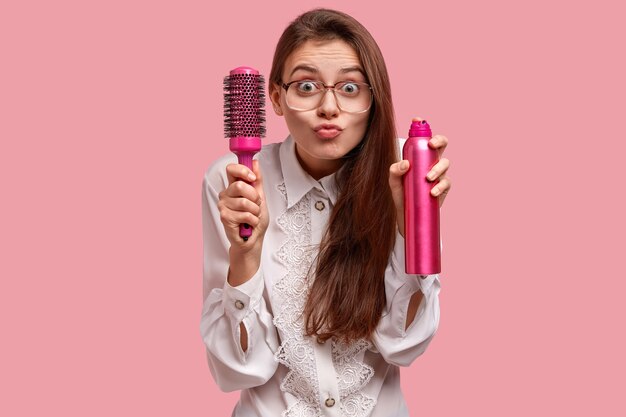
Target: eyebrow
{"type": "Point", "coordinates": [314, 70]}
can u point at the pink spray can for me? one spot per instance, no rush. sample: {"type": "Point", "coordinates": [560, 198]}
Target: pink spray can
{"type": "Point", "coordinates": [421, 209]}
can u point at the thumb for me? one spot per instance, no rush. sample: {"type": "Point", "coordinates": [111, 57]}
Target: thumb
{"type": "Point", "coordinates": [258, 183]}
{"type": "Point", "coordinates": [396, 172]}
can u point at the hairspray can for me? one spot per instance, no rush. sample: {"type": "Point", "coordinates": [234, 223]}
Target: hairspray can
{"type": "Point", "coordinates": [421, 209]}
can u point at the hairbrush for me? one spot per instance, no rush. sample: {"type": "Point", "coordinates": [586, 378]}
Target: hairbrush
{"type": "Point", "coordinates": [244, 118]}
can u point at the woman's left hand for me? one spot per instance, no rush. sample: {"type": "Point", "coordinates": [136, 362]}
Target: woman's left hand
{"type": "Point", "coordinates": [437, 173]}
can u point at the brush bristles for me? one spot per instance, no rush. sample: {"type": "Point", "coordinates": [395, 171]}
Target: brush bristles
{"type": "Point", "coordinates": [244, 105]}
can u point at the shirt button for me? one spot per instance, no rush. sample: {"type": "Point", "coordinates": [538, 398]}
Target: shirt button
{"type": "Point", "coordinates": [239, 304]}
{"type": "Point", "coordinates": [320, 205]}
{"type": "Point", "coordinates": [330, 402]}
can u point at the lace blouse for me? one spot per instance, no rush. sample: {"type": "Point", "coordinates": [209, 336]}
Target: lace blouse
{"type": "Point", "coordinates": [283, 372]}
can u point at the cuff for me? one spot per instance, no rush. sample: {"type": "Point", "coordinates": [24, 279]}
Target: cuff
{"type": "Point", "coordinates": [398, 258]}
{"type": "Point", "coordinates": [239, 301]}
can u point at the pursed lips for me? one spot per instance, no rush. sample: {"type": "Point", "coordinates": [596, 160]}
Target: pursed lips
{"type": "Point", "coordinates": [327, 131]}
{"type": "Point", "coordinates": [327, 127]}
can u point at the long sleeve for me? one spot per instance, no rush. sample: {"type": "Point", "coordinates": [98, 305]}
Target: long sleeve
{"type": "Point", "coordinates": [399, 346]}
{"type": "Point", "coordinates": [225, 307]}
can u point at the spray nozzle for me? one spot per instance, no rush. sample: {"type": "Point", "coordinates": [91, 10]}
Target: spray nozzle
{"type": "Point", "coordinates": [420, 128]}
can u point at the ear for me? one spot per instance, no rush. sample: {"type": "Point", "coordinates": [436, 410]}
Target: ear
{"type": "Point", "coordinates": [274, 91]}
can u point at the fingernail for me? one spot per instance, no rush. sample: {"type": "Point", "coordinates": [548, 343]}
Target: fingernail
{"type": "Point", "coordinates": [404, 165]}
{"type": "Point", "coordinates": [435, 191]}
{"type": "Point", "coordinates": [431, 176]}
{"type": "Point", "coordinates": [251, 177]}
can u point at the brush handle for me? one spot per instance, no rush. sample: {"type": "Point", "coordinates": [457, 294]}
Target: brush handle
{"type": "Point", "coordinates": [245, 158]}
{"type": "Point", "coordinates": [245, 148]}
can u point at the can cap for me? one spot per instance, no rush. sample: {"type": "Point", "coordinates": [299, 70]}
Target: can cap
{"type": "Point", "coordinates": [420, 129]}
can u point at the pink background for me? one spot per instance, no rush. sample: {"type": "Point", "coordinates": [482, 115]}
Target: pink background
{"type": "Point", "coordinates": [110, 112]}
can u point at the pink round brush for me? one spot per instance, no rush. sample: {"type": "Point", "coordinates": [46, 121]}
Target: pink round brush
{"type": "Point", "coordinates": [244, 118]}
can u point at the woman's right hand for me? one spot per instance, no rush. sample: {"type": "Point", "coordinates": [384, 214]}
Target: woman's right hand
{"type": "Point", "coordinates": [244, 203]}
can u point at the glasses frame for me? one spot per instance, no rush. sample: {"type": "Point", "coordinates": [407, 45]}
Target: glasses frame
{"type": "Point", "coordinates": [332, 87]}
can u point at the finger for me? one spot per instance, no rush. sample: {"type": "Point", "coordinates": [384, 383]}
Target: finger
{"type": "Point", "coordinates": [396, 172]}
{"type": "Point", "coordinates": [417, 119]}
{"type": "Point", "coordinates": [258, 183]}
{"type": "Point", "coordinates": [235, 218]}
{"type": "Point", "coordinates": [442, 188]}
{"type": "Point", "coordinates": [236, 172]}
{"type": "Point", "coordinates": [438, 169]}
{"type": "Point", "coordinates": [242, 189]}
{"type": "Point", "coordinates": [242, 204]}
{"type": "Point", "coordinates": [438, 142]}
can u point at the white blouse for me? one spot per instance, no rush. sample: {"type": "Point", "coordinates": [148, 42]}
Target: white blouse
{"type": "Point", "coordinates": [284, 372]}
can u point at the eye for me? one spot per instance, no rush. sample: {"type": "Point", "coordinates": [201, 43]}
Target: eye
{"type": "Point", "coordinates": [307, 87]}
{"type": "Point", "coordinates": [350, 88]}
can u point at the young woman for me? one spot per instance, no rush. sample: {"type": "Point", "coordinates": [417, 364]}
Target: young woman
{"type": "Point", "coordinates": [313, 314]}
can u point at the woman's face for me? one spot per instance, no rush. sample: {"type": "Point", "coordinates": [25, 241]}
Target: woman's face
{"type": "Point", "coordinates": [330, 62]}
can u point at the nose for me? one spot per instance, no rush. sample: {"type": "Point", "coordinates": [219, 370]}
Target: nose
{"type": "Point", "coordinates": [328, 107]}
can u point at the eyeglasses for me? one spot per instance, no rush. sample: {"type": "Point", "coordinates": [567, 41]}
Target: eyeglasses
{"type": "Point", "coordinates": [351, 97]}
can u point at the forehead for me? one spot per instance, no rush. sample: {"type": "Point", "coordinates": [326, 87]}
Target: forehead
{"type": "Point", "coordinates": [323, 57]}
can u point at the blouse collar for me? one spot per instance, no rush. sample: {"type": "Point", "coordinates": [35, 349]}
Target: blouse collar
{"type": "Point", "coordinates": [298, 182]}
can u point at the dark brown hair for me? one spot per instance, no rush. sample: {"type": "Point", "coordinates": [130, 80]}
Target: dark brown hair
{"type": "Point", "coordinates": [347, 297]}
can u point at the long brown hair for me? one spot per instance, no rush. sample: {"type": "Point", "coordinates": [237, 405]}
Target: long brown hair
{"type": "Point", "coordinates": [347, 297]}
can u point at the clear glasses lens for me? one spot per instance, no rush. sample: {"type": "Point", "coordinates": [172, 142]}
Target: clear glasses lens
{"type": "Point", "coordinates": [351, 97]}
